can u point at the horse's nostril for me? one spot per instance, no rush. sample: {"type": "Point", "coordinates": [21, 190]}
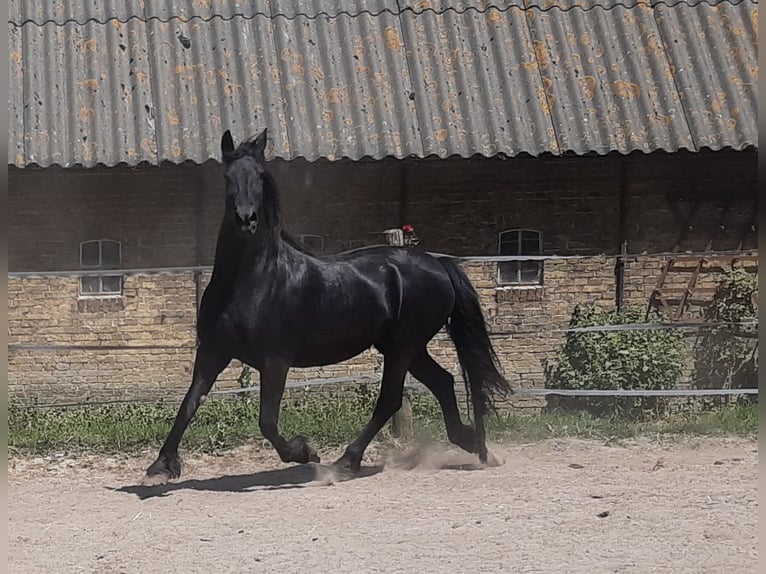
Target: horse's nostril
{"type": "Point", "coordinates": [248, 223]}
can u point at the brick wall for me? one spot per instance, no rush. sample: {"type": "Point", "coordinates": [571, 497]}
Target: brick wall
{"type": "Point", "coordinates": [159, 310]}
{"type": "Point", "coordinates": [153, 311]}
{"type": "Point", "coordinates": [169, 216]}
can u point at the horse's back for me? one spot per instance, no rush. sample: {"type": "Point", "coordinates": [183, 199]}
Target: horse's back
{"type": "Point", "coordinates": [388, 253]}
{"type": "Point", "coordinates": [414, 283]}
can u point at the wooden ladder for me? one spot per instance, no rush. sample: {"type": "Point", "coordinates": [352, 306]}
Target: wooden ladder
{"type": "Point", "coordinates": [674, 301]}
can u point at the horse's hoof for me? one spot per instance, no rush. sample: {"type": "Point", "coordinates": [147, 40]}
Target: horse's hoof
{"type": "Point", "coordinates": [159, 479]}
{"type": "Point", "coordinates": [300, 451]}
{"type": "Point", "coordinates": [311, 454]}
{"type": "Point", "coordinates": [346, 468]}
{"type": "Point", "coordinates": [163, 469]}
{"type": "Point", "coordinates": [493, 460]}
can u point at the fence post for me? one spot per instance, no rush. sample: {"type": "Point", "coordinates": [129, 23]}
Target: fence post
{"type": "Point", "coordinates": [401, 422]}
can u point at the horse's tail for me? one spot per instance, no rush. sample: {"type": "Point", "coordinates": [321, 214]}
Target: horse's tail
{"type": "Point", "coordinates": [478, 361]}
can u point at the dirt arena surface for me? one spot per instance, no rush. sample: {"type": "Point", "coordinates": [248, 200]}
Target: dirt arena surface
{"type": "Point", "coordinates": [564, 506]}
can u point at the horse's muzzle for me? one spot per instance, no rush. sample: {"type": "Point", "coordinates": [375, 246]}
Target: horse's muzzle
{"type": "Point", "coordinates": [249, 228]}
{"type": "Point", "coordinates": [247, 225]}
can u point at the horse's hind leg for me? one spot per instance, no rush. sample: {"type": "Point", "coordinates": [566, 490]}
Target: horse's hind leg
{"type": "Point", "coordinates": [442, 384]}
{"type": "Point", "coordinates": [208, 364]}
{"type": "Point", "coordinates": [389, 402]}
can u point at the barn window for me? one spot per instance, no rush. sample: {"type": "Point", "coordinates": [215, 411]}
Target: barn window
{"type": "Point", "coordinates": [100, 254]}
{"type": "Point", "coordinates": [520, 242]}
{"type": "Point", "coordinates": [314, 243]}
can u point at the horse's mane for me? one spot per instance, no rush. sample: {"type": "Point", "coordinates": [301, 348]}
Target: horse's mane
{"type": "Point", "coordinates": [272, 204]}
{"type": "Point", "coordinates": [297, 245]}
{"type": "Point", "coordinates": [272, 208]}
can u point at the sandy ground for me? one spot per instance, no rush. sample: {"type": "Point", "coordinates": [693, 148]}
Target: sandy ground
{"type": "Point", "coordinates": [557, 506]}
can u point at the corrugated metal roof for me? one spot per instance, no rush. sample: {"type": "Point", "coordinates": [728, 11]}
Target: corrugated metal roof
{"type": "Point", "coordinates": [476, 85]}
{"type": "Point", "coordinates": [346, 87]}
{"type": "Point", "coordinates": [228, 78]}
{"type": "Point", "coordinates": [61, 12]}
{"type": "Point", "coordinates": [133, 81]}
{"type": "Point", "coordinates": [459, 6]}
{"type": "Point", "coordinates": [81, 94]}
{"type": "Point", "coordinates": [607, 81]}
{"type": "Point", "coordinates": [41, 12]}
{"type": "Point", "coordinates": [314, 8]}
{"type": "Point", "coordinates": [714, 65]}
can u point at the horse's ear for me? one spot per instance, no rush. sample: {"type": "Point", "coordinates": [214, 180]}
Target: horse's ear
{"type": "Point", "coordinates": [227, 143]}
{"type": "Point", "coordinates": [259, 144]}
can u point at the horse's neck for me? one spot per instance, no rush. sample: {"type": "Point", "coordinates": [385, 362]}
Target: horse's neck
{"type": "Point", "coordinates": [235, 254]}
{"type": "Point", "coordinates": [228, 252]}
{"type": "Point", "coordinates": [261, 252]}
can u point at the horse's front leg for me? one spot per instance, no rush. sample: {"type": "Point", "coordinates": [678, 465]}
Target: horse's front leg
{"type": "Point", "coordinates": [208, 364]}
{"type": "Point", "coordinates": [273, 377]}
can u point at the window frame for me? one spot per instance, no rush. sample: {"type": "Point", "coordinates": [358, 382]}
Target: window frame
{"type": "Point", "coordinates": [518, 282]}
{"type": "Point", "coordinates": [102, 292]}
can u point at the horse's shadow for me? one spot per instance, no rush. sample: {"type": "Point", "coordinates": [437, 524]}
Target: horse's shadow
{"type": "Point", "coordinates": [299, 476]}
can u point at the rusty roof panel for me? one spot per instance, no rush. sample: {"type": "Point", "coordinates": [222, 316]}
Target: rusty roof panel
{"type": "Point", "coordinates": [713, 55]}
{"type": "Point", "coordinates": [607, 81]}
{"type": "Point", "coordinates": [346, 87]}
{"type": "Point", "coordinates": [227, 78]}
{"type": "Point", "coordinates": [566, 5]}
{"type": "Point", "coordinates": [476, 84]}
{"type": "Point", "coordinates": [692, 3]}
{"type": "Point", "coordinates": [102, 11]}
{"type": "Point", "coordinates": [85, 97]}
{"type": "Point", "coordinates": [314, 8]}
{"type": "Point", "coordinates": [16, 134]}
{"type": "Point", "coordinates": [166, 10]}
{"type": "Point", "coordinates": [460, 6]}
{"type": "Point", "coordinates": [41, 12]}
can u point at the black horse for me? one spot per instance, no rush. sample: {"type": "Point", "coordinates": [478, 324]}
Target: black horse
{"type": "Point", "coordinates": [273, 306]}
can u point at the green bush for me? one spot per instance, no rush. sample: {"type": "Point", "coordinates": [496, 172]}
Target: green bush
{"type": "Point", "coordinates": [726, 357]}
{"type": "Point", "coordinates": [636, 359]}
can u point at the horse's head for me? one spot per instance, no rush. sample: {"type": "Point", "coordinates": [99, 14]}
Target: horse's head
{"type": "Point", "coordinates": [243, 169]}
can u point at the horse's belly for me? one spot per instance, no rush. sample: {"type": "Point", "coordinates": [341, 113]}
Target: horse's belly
{"type": "Point", "coordinates": [320, 360]}
{"type": "Point", "coordinates": [321, 354]}
{"type": "Point", "coordinates": [302, 349]}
